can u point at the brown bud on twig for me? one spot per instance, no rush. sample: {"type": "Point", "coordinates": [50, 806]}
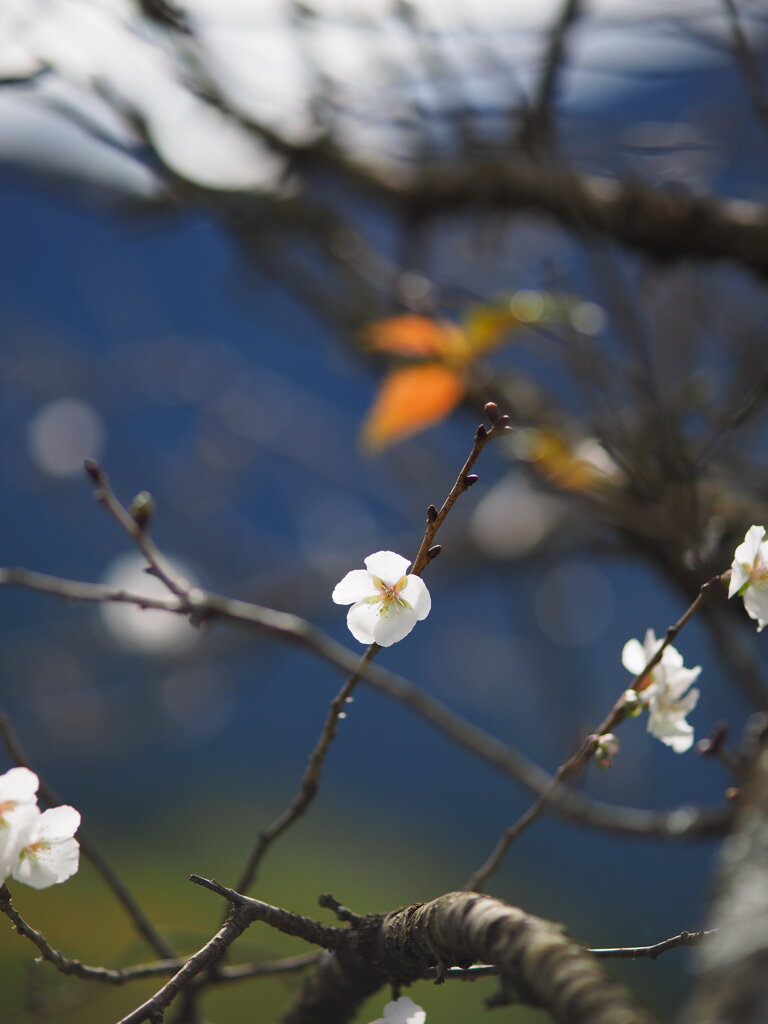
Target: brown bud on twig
{"type": "Point", "coordinates": [481, 433]}
{"type": "Point", "coordinates": [469, 480]}
{"type": "Point", "coordinates": [142, 509]}
{"type": "Point", "coordinates": [492, 412]}
{"type": "Point", "coordinates": [434, 551]}
{"type": "Point", "coordinates": [711, 746]}
{"type": "Point", "coordinates": [93, 469]}
{"type": "Point", "coordinates": [431, 514]}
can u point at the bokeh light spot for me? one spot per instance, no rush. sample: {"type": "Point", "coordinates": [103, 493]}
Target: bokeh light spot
{"type": "Point", "coordinates": [63, 434]}
{"type": "Point", "coordinates": [145, 630]}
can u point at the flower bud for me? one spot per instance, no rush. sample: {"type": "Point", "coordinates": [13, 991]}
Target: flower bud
{"type": "Point", "coordinates": [633, 704]}
{"type": "Point", "coordinates": [606, 749]}
{"type": "Point", "coordinates": [142, 509]}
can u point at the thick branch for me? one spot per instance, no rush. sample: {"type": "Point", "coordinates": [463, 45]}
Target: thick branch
{"type": "Point", "coordinates": [538, 963]}
{"type": "Point", "coordinates": [663, 225]}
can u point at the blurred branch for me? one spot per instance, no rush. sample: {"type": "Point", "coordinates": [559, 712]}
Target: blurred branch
{"type": "Point", "coordinates": [731, 968]}
{"type": "Point", "coordinates": [141, 922]}
{"type": "Point", "coordinates": [750, 69]}
{"type": "Point", "coordinates": [538, 124]}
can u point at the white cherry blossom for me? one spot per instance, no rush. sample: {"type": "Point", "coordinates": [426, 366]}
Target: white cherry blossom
{"type": "Point", "coordinates": [386, 602]}
{"type": "Point", "coordinates": [667, 695]}
{"type": "Point", "coordinates": [749, 575]}
{"type": "Point", "coordinates": [402, 1011]}
{"type": "Point", "coordinates": [51, 854]}
{"type": "Point", "coordinates": [18, 812]}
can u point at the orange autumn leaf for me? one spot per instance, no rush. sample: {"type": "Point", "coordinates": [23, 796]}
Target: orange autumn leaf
{"type": "Point", "coordinates": [409, 400]}
{"type": "Point", "coordinates": [415, 336]}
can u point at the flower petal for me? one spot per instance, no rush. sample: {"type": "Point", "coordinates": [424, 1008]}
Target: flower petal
{"type": "Point", "coordinates": [744, 557]}
{"type": "Point", "coordinates": [17, 829]}
{"type": "Point", "coordinates": [48, 865]}
{"type": "Point", "coordinates": [673, 730]}
{"type": "Point", "coordinates": [19, 785]}
{"type": "Point", "coordinates": [755, 599]}
{"type": "Point", "coordinates": [361, 620]}
{"type": "Point", "coordinates": [416, 594]}
{"type": "Point", "coordinates": [404, 1011]}
{"type": "Point", "coordinates": [59, 823]}
{"type": "Point", "coordinates": [388, 566]}
{"type": "Point", "coordinates": [356, 586]}
{"type": "Point", "coordinates": [393, 624]}
{"type": "Point", "coordinates": [633, 657]}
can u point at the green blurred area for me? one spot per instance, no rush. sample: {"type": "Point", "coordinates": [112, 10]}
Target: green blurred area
{"type": "Point", "coordinates": [82, 920]}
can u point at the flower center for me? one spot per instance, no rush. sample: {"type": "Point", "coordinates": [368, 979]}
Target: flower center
{"type": "Point", "coordinates": [389, 594]}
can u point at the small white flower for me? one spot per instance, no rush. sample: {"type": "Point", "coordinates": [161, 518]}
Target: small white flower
{"type": "Point", "coordinates": [18, 813]}
{"type": "Point", "coordinates": [749, 575]}
{"type": "Point", "coordinates": [402, 1011]}
{"type": "Point", "coordinates": [386, 603]}
{"type": "Point", "coordinates": [50, 855]}
{"type": "Point", "coordinates": [665, 695]}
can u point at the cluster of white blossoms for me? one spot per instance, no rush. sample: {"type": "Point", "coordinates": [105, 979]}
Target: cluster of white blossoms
{"type": "Point", "coordinates": [749, 575]}
{"type": "Point", "coordinates": [36, 847]}
{"type": "Point", "coordinates": [402, 1011]}
{"type": "Point", "coordinates": [667, 696]}
{"type": "Point", "coordinates": [386, 603]}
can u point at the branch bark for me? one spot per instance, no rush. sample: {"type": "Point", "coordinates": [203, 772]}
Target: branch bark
{"type": "Point", "coordinates": [538, 963]}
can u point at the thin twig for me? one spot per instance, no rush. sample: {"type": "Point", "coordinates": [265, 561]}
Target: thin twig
{"type": "Point", "coordinates": [141, 922]}
{"type": "Point", "coordinates": [465, 479]}
{"type": "Point", "coordinates": [237, 921]}
{"type": "Point", "coordinates": [284, 921]}
{"type": "Point", "coordinates": [310, 780]}
{"type": "Point", "coordinates": [136, 529]}
{"type": "Point", "coordinates": [618, 953]}
{"type": "Point", "coordinates": [578, 761]}
{"type": "Point", "coordinates": [651, 952]}
{"type": "Point", "coordinates": [137, 972]}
